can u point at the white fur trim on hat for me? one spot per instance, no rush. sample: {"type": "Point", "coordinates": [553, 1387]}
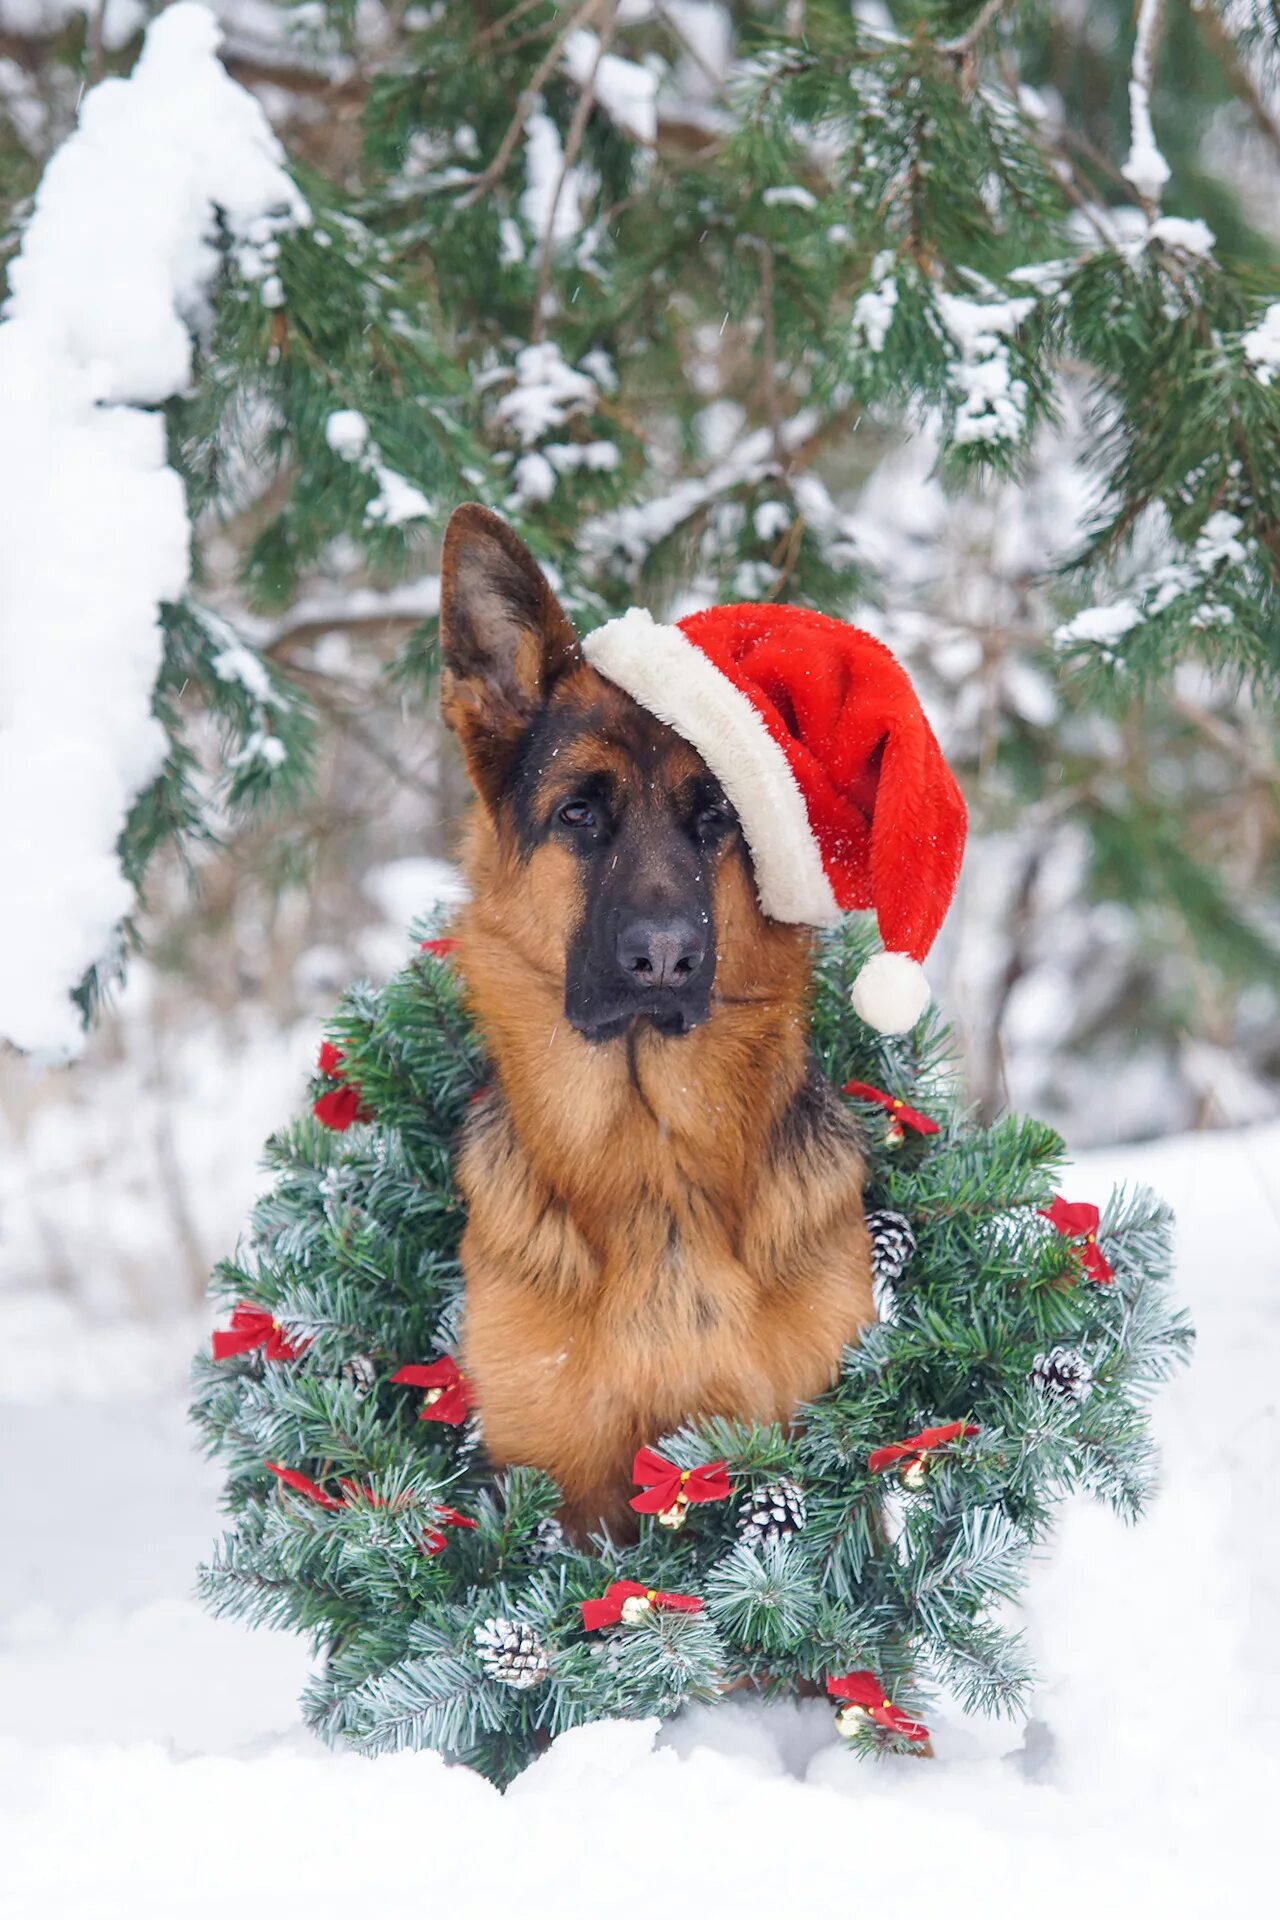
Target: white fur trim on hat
{"type": "Point", "coordinates": [890, 992]}
{"type": "Point", "coordinates": [672, 679]}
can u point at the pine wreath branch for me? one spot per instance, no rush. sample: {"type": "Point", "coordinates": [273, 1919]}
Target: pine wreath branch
{"type": "Point", "coordinates": [395, 1544]}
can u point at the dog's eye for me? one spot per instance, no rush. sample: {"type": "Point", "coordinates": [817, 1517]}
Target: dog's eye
{"type": "Point", "coordinates": [576, 813]}
{"type": "Point", "coordinates": [713, 816]}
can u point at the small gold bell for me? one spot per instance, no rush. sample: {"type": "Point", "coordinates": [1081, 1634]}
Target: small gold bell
{"type": "Point", "coordinates": [676, 1514]}
{"type": "Point", "coordinates": [850, 1718]}
{"type": "Point", "coordinates": [635, 1608]}
{"type": "Point", "coordinates": [913, 1474]}
{"type": "Point", "coordinates": [431, 1395]}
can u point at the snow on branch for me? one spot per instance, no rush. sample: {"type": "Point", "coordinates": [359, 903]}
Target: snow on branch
{"type": "Point", "coordinates": [397, 500]}
{"type": "Point", "coordinates": [116, 268]}
{"type": "Point", "coordinates": [1146, 169]}
{"type": "Point", "coordinates": [627, 92]}
{"type": "Point", "coordinates": [1191, 577]}
{"type": "Point", "coordinates": [1262, 345]}
{"type": "Point", "coordinates": [991, 402]}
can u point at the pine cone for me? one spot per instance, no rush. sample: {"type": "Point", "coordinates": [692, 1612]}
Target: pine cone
{"type": "Point", "coordinates": [548, 1537]}
{"type": "Point", "coordinates": [511, 1652]}
{"type": "Point", "coordinates": [773, 1513]}
{"type": "Point", "coordinates": [360, 1374]}
{"type": "Point", "coordinates": [341, 1189]}
{"type": "Point", "coordinates": [892, 1244]}
{"type": "Point", "coordinates": [1063, 1374]}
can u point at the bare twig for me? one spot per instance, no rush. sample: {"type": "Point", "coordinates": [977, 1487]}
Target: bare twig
{"type": "Point", "coordinates": [689, 44]}
{"type": "Point", "coordinates": [526, 103]}
{"type": "Point", "coordinates": [989, 1064]}
{"type": "Point", "coordinates": [319, 691]}
{"type": "Point", "coordinates": [508, 19]}
{"type": "Point", "coordinates": [785, 556]}
{"type": "Point", "coordinates": [384, 625]}
{"type": "Point", "coordinates": [773, 402]}
{"type": "Point", "coordinates": [174, 1192]}
{"type": "Point", "coordinates": [572, 148]}
{"type": "Point", "coordinates": [97, 46]}
{"type": "Point", "coordinates": [1265, 771]}
{"type": "Point", "coordinates": [965, 43]}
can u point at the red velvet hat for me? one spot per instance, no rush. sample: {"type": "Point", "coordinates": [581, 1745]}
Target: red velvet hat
{"type": "Point", "coordinates": [815, 733]}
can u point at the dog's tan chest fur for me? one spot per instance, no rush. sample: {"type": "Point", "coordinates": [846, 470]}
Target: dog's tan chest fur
{"type": "Point", "coordinates": [626, 1272]}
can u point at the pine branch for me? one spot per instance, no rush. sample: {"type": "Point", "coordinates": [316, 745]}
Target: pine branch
{"type": "Point", "coordinates": [353, 1255]}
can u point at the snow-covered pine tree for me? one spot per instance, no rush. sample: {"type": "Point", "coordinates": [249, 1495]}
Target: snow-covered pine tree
{"type": "Point", "coordinates": [699, 294]}
{"type": "Point", "coordinates": [445, 1608]}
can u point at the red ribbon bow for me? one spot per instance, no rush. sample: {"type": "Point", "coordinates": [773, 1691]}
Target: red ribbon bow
{"type": "Point", "coordinates": [448, 1391]}
{"type": "Point", "coordinates": [607, 1610]}
{"type": "Point", "coordinates": [920, 1443]}
{"type": "Point", "coordinates": [862, 1689]}
{"type": "Point", "coordinates": [342, 1106]}
{"type": "Point", "coordinates": [1078, 1220]}
{"type": "Point", "coordinates": [664, 1482]}
{"type": "Point", "coordinates": [448, 1517]}
{"type": "Point", "coordinates": [435, 1540]}
{"type": "Point", "coordinates": [354, 1491]}
{"type": "Point", "coordinates": [300, 1483]}
{"type": "Point", "coordinates": [254, 1327]}
{"type": "Point", "coordinates": [900, 1114]}
{"type": "Point", "coordinates": [440, 949]}
{"type": "Point", "coordinates": [452, 1518]}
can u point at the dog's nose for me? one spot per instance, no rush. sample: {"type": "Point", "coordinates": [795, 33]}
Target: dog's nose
{"type": "Point", "coordinates": [660, 953]}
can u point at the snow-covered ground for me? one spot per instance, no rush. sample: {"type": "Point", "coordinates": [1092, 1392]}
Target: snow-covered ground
{"type": "Point", "coordinates": [152, 1763]}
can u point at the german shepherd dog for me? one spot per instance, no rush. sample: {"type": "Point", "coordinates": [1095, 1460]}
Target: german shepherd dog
{"type": "Point", "coordinates": [664, 1195]}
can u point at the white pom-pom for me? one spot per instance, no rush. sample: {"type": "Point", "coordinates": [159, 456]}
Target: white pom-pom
{"type": "Point", "coordinates": [891, 992]}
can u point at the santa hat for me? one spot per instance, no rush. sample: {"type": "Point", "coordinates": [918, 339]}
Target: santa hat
{"type": "Point", "coordinates": [815, 733]}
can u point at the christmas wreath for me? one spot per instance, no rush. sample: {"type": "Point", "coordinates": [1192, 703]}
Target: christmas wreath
{"type": "Point", "coordinates": [863, 1553]}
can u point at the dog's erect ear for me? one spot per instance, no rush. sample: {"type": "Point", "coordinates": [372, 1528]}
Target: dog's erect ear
{"type": "Point", "coordinates": [505, 641]}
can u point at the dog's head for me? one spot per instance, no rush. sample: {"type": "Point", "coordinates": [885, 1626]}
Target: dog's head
{"type": "Point", "coordinates": [620, 863]}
